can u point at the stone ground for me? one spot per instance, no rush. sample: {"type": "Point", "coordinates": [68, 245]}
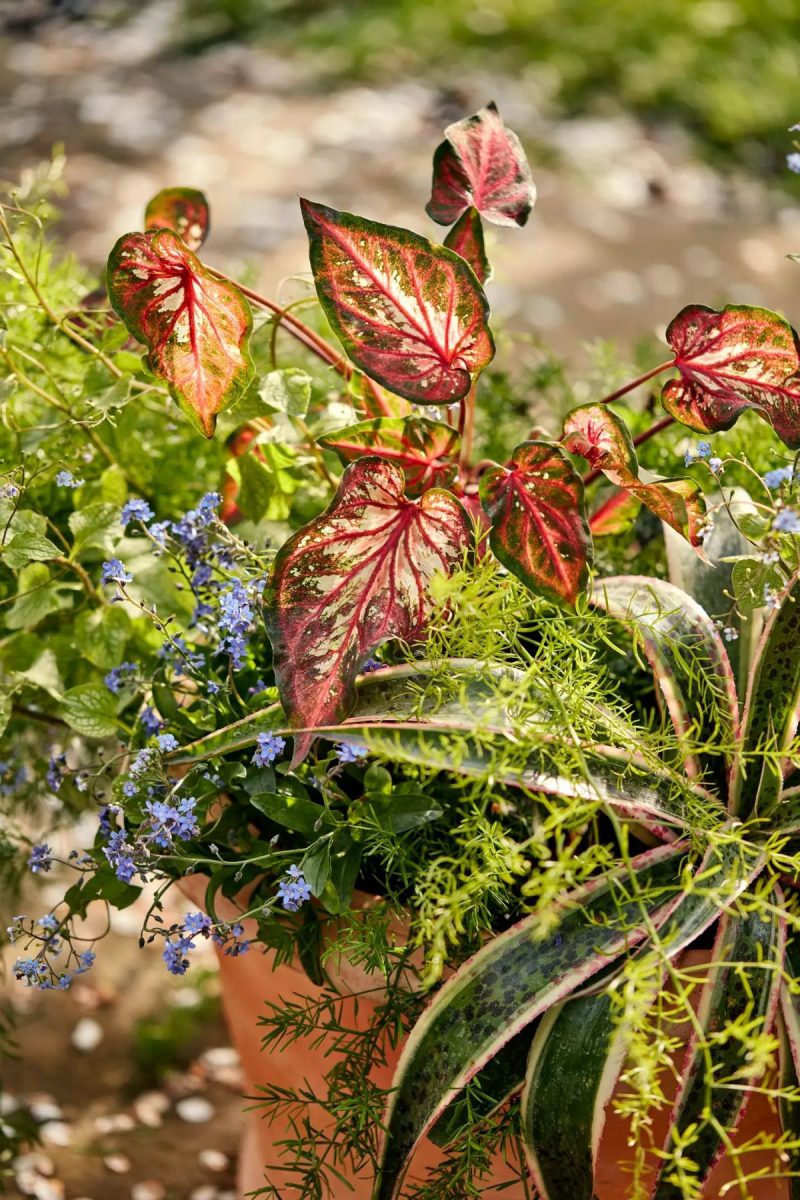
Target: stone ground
{"type": "Point", "coordinates": [628, 228]}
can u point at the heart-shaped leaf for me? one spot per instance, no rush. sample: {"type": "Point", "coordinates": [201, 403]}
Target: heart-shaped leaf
{"type": "Point", "coordinates": [409, 313]}
{"type": "Point", "coordinates": [539, 529]}
{"type": "Point", "coordinates": [352, 579]}
{"type": "Point", "coordinates": [601, 437]}
{"type": "Point", "coordinates": [426, 450]}
{"type": "Point", "coordinates": [196, 327]}
{"type": "Point", "coordinates": [466, 238]}
{"type": "Point", "coordinates": [729, 361]}
{"type": "Point", "coordinates": [184, 211]}
{"type": "Point", "coordinates": [481, 164]}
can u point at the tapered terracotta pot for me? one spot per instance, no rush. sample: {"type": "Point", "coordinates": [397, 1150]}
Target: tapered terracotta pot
{"type": "Point", "coordinates": [250, 981]}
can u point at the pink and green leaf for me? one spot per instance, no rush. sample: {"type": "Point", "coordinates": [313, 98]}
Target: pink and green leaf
{"type": "Point", "coordinates": [730, 361]}
{"type": "Point", "coordinates": [184, 211]}
{"type": "Point", "coordinates": [354, 578]}
{"type": "Point", "coordinates": [539, 528]}
{"type": "Point", "coordinates": [597, 434]}
{"type": "Point", "coordinates": [743, 987]}
{"type": "Point", "coordinates": [409, 313]}
{"type": "Point", "coordinates": [466, 238]}
{"type": "Point", "coordinates": [196, 327]}
{"type": "Point", "coordinates": [691, 666]}
{"type": "Point", "coordinates": [575, 1061]}
{"type": "Point", "coordinates": [427, 451]}
{"type": "Point", "coordinates": [614, 514]}
{"type": "Point", "coordinates": [481, 164]}
{"type": "Point", "coordinates": [511, 981]}
{"type": "Point", "coordinates": [771, 710]}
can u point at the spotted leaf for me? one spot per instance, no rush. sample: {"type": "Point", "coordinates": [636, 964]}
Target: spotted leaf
{"type": "Point", "coordinates": [539, 529]}
{"type": "Point", "coordinates": [352, 579]}
{"type": "Point", "coordinates": [597, 434]}
{"type": "Point", "coordinates": [184, 211]}
{"type": "Point", "coordinates": [466, 238]}
{"type": "Point", "coordinates": [481, 164]}
{"type": "Point", "coordinates": [409, 313]}
{"type": "Point", "coordinates": [731, 361]}
{"type": "Point", "coordinates": [196, 327]}
{"type": "Point", "coordinates": [426, 450]}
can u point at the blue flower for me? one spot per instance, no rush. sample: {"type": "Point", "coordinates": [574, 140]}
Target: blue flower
{"type": "Point", "coordinates": [688, 458]}
{"type": "Point", "coordinates": [85, 961]}
{"type": "Point", "coordinates": [372, 664]}
{"type": "Point", "coordinates": [346, 752]}
{"type": "Point", "coordinates": [159, 531]}
{"type": "Point", "coordinates": [294, 890]}
{"type": "Point", "coordinates": [777, 476]}
{"type": "Point", "coordinates": [115, 678]}
{"type": "Point", "coordinates": [114, 572]}
{"type": "Point", "coordinates": [212, 687]}
{"type": "Point", "coordinates": [787, 521]}
{"type": "Point", "coordinates": [168, 821]}
{"type": "Point", "coordinates": [49, 921]}
{"type": "Point", "coordinates": [793, 162]}
{"type": "Point", "coordinates": [703, 449]}
{"type": "Point", "coordinates": [68, 480]}
{"type": "Point", "coordinates": [195, 923]}
{"type": "Point", "coordinates": [235, 618]}
{"type": "Point", "coordinates": [136, 510]}
{"type": "Point", "coordinates": [32, 970]}
{"type": "Point", "coordinates": [120, 855]}
{"type": "Point", "coordinates": [715, 464]}
{"type": "Point", "coordinates": [167, 742]}
{"type": "Point", "coordinates": [55, 771]}
{"type": "Point", "coordinates": [150, 721]}
{"type": "Point", "coordinates": [174, 955]}
{"type": "Point", "coordinates": [40, 858]}
{"type": "Point", "coordinates": [269, 747]}
{"type": "Point", "coordinates": [141, 762]}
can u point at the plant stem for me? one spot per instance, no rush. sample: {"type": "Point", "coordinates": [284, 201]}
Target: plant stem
{"type": "Point", "coordinates": [634, 383]}
{"type": "Point", "coordinates": [466, 428]}
{"type": "Point", "coordinates": [88, 586]}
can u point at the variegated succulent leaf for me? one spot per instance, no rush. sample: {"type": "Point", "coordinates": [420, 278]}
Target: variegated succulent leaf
{"type": "Point", "coordinates": [184, 211]}
{"type": "Point", "coordinates": [597, 434]}
{"type": "Point", "coordinates": [539, 528]}
{"type": "Point", "coordinates": [690, 664]}
{"type": "Point", "coordinates": [743, 987]}
{"type": "Point", "coordinates": [196, 327]}
{"type": "Point", "coordinates": [409, 313]}
{"type": "Point", "coordinates": [771, 710]}
{"type": "Point", "coordinates": [510, 981]}
{"type": "Point", "coordinates": [427, 451]}
{"type": "Point", "coordinates": [481, 164]}
{"type": "Point", "coordinates": [466, 238]}
{"type": "Point", "coordinates": [575, 1061]}
{"type": "Point", "coordinates": [730, 361]}
{"type": "Point", "coordinates": [352, 579]}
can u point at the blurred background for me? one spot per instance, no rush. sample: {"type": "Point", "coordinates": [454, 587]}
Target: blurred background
{"type": "Point", "coordinates": [658, 137]}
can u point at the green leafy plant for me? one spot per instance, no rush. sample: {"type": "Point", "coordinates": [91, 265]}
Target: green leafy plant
{"type": "Point", "coordinates": [559, 830]}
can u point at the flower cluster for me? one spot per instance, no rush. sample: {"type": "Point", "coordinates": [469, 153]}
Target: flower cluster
{"type": "Point", "coordinates": [67, 479]}
{"type": "Point", "coordinates": [113, 571]}
{"type": "Point", "coordinates": [235, 618]}
{"type": "Point", "coordinates": [117, 677]}
{"type": "Point", "coordinates": [136, 510]}
{"type": "Point", "coordinates": [56, 962]}
{"type": "Point", "coordinates": [294, 890]}
{"type": "Point", "coordinates": [268, 747]}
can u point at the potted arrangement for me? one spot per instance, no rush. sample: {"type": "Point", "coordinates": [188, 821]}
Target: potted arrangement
{"type": "Point", "coordinates": [477, 770]}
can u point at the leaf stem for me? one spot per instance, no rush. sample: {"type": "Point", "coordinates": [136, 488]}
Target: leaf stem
{"type": "Point", "coordinates": [88, 586]}
{"type": "Point", "coordinates": [466, 428]}
{"type": "Point", "coordinates": [634, 383]}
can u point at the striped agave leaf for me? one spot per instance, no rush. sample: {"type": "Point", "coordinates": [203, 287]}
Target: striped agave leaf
{"type": "Point", "coordinates": [744, 984]}
{"type": "Point", "coordinates": [690, 662]}
{"type": "Point", "coordinates": [511, 981]}
{"type": "Point", "coordinates": [789, 1107]}
{"type": "Point", "coordinates": [574, 1064]}
{"type": "Point", "coordinates": [771, 709]}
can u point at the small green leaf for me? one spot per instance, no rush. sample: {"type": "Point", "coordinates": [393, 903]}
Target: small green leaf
{"type": "Point", "coordinates": [399, 813]}
{"type": "Point", "coordinates": [345, 862]}
{"type": "Point", "coordinates": [96, 526]}
{"type": "Point", "coordinates": [37, 596]}
{"type": "Point", "coordinates": [303, 816]}
{"type": "Point", "coordinates": [750, 579]}
{"type": "Point", "coordinates": [28, 547]}
{"type": "Point", "coordinates": [102, 635]}
{"type": "Point", "coordinates": [89, 709]}
{"type": "Point", "coordinates": [316, 865]}
{"type": "Point", "coordinates": [255, 487]}
{"type": "Point", "coordinates": [288, 390]}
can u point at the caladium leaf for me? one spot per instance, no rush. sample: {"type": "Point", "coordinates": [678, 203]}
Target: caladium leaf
{"type": "Point", "coordinates": [771, 710]}
{"type": "Point", "coordinates": [690, 663]}
{"type": "Point", "coordinates": [596, 433]}
{"type": "Point", "coordinates": [539, 528]}
{"type": "Point", "coordinates": [614, 514]}
{"type": "Point", "coordinates": [481, 164]}
{"type": "Point", "coordinates": [745, 991]}
{"type": "Point", "coordinates": [510, 981]}
{"type": "Point", "coordinates": [196, 327]}
{"type": "Point", "coordinates": [184, 211]}
{"type": "Point", "coordinates": [466, 238]}
{"type": "Point", "coordinates": [574, 1064]}
{"type": "Point", "coordinates": [409, 313]}
{"type": "Point", "coordinates": [352, 579]}
{"type": "Point", "coordinates": [426, 450]}
{"type": "Point", "coordinates": [730, 361]}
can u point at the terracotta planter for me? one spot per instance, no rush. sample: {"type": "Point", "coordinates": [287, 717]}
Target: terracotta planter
{"type": "Point", "coordinates": [250, 981]}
